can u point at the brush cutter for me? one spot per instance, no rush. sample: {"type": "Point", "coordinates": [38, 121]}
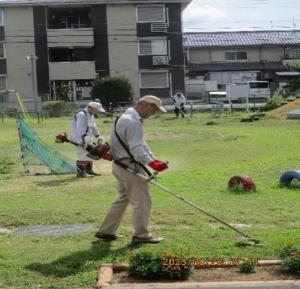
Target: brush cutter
{"type": "Point", "coordinates": [95, 152]}
{"type": "Point", "coordinates": [246, 239]}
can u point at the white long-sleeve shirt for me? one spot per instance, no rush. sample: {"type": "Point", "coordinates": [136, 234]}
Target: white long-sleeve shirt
{"type": "Point", "coordinates": [84, 127]}
{"type": "Point", "coordinates": [179, 100]}
{"type": "Point", "coordinates": [130, 130]}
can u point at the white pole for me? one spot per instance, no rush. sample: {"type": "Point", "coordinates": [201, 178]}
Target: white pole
{"type": "Point", "coordinates": [33, 59]}
{"type": "Point", "coordinates": [229, 100]}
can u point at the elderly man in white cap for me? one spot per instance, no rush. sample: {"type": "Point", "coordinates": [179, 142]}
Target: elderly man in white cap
{"type": "Point", "coordinates": [129, 148]}
{"type": "Point", "coordinates": [83, 129]}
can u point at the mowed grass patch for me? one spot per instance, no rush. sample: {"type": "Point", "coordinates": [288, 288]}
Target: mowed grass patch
{"type": "Point", "coordinates": [201, 160]}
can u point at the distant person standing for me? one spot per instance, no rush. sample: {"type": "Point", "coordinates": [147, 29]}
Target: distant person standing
{"type": "Point", "coordinates": [84, 128]}
{"type": "Point", "coordinates": [180, 102]}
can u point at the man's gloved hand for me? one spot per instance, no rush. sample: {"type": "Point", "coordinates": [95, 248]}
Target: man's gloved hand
{"type": "Point", "coordinates": [158, 165]}
{"type": "Point", "coordinates": [107, 156]}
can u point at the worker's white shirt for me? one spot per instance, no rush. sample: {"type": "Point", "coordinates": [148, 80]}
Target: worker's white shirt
{"type": "Point", "coordinates": [179, 100]}
{"type": "Point", "coordinates": [84, 127]}
{"type": "Point", "coordinates": [130, 130]}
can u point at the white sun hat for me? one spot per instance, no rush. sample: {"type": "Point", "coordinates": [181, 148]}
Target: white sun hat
{"type": "Point", "coordinates": [97, 105]}
{"type": "Point", "coordinates": [154, 100]}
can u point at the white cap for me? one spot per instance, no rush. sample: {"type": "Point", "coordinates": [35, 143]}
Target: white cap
{"type": "Point", "coordinates": [96, 105]}
{"type": "Point", "coordinates": [154, 100]}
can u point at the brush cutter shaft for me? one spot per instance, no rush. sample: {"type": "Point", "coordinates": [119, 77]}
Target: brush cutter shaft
{"type": "Point", "coordinates": [199, 209]}
{"type": "Point", "coordinates": [150, 179]}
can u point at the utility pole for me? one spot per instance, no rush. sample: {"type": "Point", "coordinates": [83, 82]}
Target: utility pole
{"type": "Point", "coordinates": [33, 60]}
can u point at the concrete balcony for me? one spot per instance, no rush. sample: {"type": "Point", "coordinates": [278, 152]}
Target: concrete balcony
{"type": "Point", "coordinates": [291, 61]}
{"type": "Point", "coordinates": [83, 37]}
{"type": "Point", "coordinates": [72, 70]}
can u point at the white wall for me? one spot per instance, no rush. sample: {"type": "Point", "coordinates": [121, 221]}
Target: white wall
{"type": "Point", "coordinates": [19, 41]}
{"type": "Point", "coordinates": [254, 54]}
{"type": "Point", "coordinates": [122, 44]}
{"type": "Point", "coordinates": [272, 53]}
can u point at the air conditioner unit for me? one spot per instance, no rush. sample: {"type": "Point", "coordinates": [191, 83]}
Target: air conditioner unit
{"type": "Point", "coordinates": [159, 27]}
{"type": "Point", "coordinates": [160, 60]}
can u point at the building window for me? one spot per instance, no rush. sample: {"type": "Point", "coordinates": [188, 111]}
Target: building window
{"type": "Point", "coordinates": [154, 79]}
{"type": "Point", "coordinates": [62, 18]}
{"type": "Point", "coordinates": [153, 47]}
{"type": "Point", "coordinates": [292, 53]}
{"type": "Point", "coordinates": [151, 13]}
{"type": "Point", "coordinates": [1, 17]}
{"type": "Point", "coordinates": [2, 82]}
{"type": "Point", "coordinates": [70, 55]}
{"type": "Point", "coordinates": [2, 50]}
{"type": "Point", "coordinates": [236, 55]}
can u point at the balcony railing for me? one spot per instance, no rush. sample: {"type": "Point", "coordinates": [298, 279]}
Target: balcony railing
{"type": "Point", "coordinates": [83, 37]}
{"type": "Point", "coordinates": [72, 70]}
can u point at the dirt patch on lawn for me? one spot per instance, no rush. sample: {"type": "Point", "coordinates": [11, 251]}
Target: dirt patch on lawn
{"type": "Point", "coordinates": [263, 273]}
{"type": "Point", "coordinates": [282, 111]}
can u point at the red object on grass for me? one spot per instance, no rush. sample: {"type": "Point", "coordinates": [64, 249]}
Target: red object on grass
{"type": "Point", "coordinates": [242, 182]}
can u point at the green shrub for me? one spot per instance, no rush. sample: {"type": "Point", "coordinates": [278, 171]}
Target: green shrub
{"type": "Point", "coordinates": [270, 105]}
{"type": "Point", "coordinates": [112, 89]}
{"type": "Point", "coordinates": [247, 266]}
{"type": "Point", "coordinates": [59, 108]}
{"type": "Point", "coordinates": [287, 250]}
{"type": "Point", "coordinates": [291, 264]}
{"type": "Point", "coordinates": [291, 258]}
{"type": "Point", "coordinates": [154, 265]}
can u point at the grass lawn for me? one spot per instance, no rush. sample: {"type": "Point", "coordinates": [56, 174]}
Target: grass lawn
{"type": "Point", "coordinates": [201, 160]}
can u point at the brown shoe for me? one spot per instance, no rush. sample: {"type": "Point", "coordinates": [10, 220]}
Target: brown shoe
{"type": "Point", "coordinates": [105, 237]}
{"type": "Point", "coordinates": [84, 175]}
{"type": "Point", "coordinates": [145, 240]}
{"type": "Point", "coordinates": [92, 173]}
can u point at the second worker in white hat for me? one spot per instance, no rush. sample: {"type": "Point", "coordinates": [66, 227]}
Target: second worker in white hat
{"type": "Point", "coordinates": [84, 128]}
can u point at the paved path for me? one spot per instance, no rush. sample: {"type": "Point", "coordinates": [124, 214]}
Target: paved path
{"type": "Point", "coordinates": [281, 284]}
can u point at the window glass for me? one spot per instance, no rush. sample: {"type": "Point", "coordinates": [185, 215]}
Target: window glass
{"type": "Point", "coordinates": [154, 80]}
{"type": "Point", "coordinates": [153, 13]}
{"type": "Point", "coordinates": [2, 50]}
{"type": "Point", "coordinates": [2, 82]}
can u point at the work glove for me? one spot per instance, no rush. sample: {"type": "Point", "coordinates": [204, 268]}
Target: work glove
{"type": "Point", "coordinates": [107, 156]}
{"type": "Point", "coordinates": [158, 165]}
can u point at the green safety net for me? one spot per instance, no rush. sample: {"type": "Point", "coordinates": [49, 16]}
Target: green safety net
{"type": "Point", "coordinates": [36, 152]}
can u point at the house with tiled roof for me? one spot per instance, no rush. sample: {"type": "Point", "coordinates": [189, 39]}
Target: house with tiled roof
{"type": "Point", "coordinates": [71, 42]}
{"type": "Point", "coordinates": [215, 59]}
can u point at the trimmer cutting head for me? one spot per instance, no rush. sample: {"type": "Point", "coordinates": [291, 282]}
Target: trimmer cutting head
{"type": "Point", "coordinates": [244, 242]}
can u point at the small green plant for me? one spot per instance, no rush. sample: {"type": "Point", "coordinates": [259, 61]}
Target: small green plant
{"type": "Point", "coordinates": [290, 255]}
{"type": "Point", "coordinates": [147, 264]}
{"type": "Point", "coordinates": [287, 250]}
{"type": "Point", "coordinates": [247, 266]}
{"type": "Point", "coordinates": [270, 105]}
{"type": "Point", "coordinates": [59, 108]}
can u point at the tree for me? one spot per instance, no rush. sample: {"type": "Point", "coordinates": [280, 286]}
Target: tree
{"type": "Point", "coordinates": [112, 89]}
{"type": "Point", "coordinates": [293, 85]}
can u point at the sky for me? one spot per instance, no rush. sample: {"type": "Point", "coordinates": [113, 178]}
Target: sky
{"type": "Point", "coordinates": [216, 15]}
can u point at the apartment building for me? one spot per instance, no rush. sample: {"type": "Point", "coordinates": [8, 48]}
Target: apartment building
{"type": "Point", "coordinates": [69, 43]}
{"type": "Point", "coordinates": [216, 59]}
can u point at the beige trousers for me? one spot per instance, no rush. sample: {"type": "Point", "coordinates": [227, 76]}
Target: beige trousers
{"type": "Point", "coordinates": [133, 190]}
